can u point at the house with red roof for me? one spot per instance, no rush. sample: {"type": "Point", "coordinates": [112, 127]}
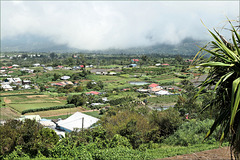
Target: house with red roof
{"type": "Point", "coordinates": [153, 85]}
{"type": "Point", "coordinates": [93, 93]}
{"type": "Point", "coordinates": [154, 88]}
{"type": "Point", "coordinates": [165, 64]}
{"type": "Point", "coordinates": [135, 60]}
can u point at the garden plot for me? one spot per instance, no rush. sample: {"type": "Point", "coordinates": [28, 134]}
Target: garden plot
{"type": "Point", "coordinates": [23, 102]}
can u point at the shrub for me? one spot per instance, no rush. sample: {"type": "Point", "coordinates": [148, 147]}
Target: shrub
{"type": "Point", "coordinates": [191, 132]}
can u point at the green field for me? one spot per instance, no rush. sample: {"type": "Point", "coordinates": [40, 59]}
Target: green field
{"type": "Point", "coordinates": [24, 102]}
{"type": "Point", "coordinates": [24, 106]}
{"type": "Point", "coordinates": [163, 99]}
{"type": "Point", "coordinates": [94, 114]}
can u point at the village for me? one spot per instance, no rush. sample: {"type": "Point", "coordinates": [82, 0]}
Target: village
{"type": "Point", "coordinates": [61, 80]}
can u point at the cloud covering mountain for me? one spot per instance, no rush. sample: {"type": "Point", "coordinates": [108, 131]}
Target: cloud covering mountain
{"type": "Point", "coordinates": [114, 24]}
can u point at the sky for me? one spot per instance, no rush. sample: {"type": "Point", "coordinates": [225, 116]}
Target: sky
{"type": "Point", "coordinates": [96, 25]}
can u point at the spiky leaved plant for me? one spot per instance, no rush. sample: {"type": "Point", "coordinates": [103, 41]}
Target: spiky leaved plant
{"type": "Point", "coordinates": [225, 75]}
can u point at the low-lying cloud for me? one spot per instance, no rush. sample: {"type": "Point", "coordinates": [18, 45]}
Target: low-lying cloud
{"type": "Point", "coordinates": [108, 24]}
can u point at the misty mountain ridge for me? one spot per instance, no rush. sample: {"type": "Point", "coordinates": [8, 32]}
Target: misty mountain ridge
{"type": "Point", "coordinates": [33, 43]}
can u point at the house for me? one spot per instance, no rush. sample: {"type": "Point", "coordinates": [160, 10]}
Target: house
{"type": "Point", "coordinates": [36, 65]}
{"type": "Point", "coordinates": [16, 81]}
{"type": "Point", "coordinates": [154, 88]}
{"type": "Point", "coordinates": [15, 66]}
{"type": "Point", "coordinates": [132, 65]}
{"type": "Point", "coordinates": [158, 64]}
{"type": "Point", "coordinates": [7, 87]}
{"type": "Point", "coordinates": [152, 85]}
{"type": "Point", "coordinates": [93, 93]}
{"type": "Point", "coordinates": [32, 117]}
{"type": "Point", "coordinates": [96, 104]}
{"type": "Point", "coordinates": [162, 92]}
{"type": "Point", "coordinates": [112, 73]}
{"type": "Point", "coordinates": [165, 64]}
{"type": "Point", "coordinates": [76, 121]}
{"type": "Point", "coordinates": [135, 60]}
{"type": "Point", "coordinates": [26, 82]}
{"type": "Point", "coordinates": [104, 99]}
{"type": "Point", "coordinates": [49, 68]}
{"type": "Point", "coordinates": [26, 86]}
{"type": "Point", "coordinates": [59, 67]}
{"type": "Point", "coordinates": [142, 90]}
{"type": "Point", "coordinates": [65, 77]}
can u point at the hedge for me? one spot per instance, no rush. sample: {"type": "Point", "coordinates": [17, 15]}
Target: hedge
{"type": "Point", "coordinates": [48, 108]}
{"type": "Point", "coordinates": [21, 94]}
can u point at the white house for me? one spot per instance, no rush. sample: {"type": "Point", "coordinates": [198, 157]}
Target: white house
{"type": "Point", "coordinates": [32, 117]}
{"type": "Point", "coordinates": [36, 65]}
{"type": "Point", "coordinates": [7, 87]}
{"type": "Point", "coordinates": [77, 120]}
{"type": "Point", "coordinates": [162, 92]}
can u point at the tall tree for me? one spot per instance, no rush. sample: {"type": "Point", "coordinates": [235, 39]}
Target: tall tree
{"type": "Point", "coordinates": [225, 75]}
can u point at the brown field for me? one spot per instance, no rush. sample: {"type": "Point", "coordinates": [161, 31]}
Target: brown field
{"type": "Point", "coordinates": [8, 113]}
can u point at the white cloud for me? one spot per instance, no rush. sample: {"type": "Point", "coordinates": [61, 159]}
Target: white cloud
{"type": "Point", "coordinates": [102, 25]}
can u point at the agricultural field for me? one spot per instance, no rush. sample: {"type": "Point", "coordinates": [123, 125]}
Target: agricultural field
{"type": "Point", "coordinates": [24, 102]}
{"type": "Point", "coordinates": [58, 112]}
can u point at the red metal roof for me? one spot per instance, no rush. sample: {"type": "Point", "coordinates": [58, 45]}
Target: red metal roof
{"type": "Point", "coordinates": [153, 85]}
{"type": "Point", "coordinates": [93, 92]}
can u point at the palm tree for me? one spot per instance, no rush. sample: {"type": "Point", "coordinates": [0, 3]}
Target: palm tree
{"type": "Point", "coordinates": [225, 76]}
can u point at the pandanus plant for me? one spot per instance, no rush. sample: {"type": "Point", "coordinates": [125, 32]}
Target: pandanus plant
{"type": "Point", "coordinates": [225, 76]}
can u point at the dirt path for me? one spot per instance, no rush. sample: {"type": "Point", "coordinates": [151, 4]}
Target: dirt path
{"type": "Point", "coordinates": [214, 154]}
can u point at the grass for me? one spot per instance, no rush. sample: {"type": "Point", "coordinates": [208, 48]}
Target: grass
{"type": "Point", "coordinates": [23, 102]}
{"type": "Point", "coordinates": [94, 114]}
{"type": "Point", "coordinates": [60, 116]}
{"type": "Point", "coordinates": [163, 99]}
{"type": "Point", "coordinates": [24, 106]}
{"type": "Point", "coordinates": [58, 112]}
{"type": "Point", "coordinates": [170, 151]}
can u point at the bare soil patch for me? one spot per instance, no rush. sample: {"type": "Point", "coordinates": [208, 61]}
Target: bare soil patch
{"type": "Point", "coordinates": [61, 98]}
{"type": "Point", "coordinates": [37, 96]}
{"type": "Point", "coordinates": [214, 154]}
{"type": "Point", "coordinates": [8, 113]}
{"type": "Point", "coordinates": [6, 100]}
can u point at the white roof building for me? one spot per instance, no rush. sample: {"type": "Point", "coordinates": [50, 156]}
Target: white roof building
{"type": "Point", "coordinates": [32, 117]}
{"type": "Point", "coordinates": [162, 92]}
{"type": "Point", "coordinates": [76, 121]}
{"type": "Point", "coordinates": [7, 87]}
{"type": "Point", "coordinates": [36, 65]}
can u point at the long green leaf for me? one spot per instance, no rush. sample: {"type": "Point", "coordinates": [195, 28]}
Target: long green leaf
{"type": "Point", "coordinates": [216, 64]}
{"type": "Point", "coordinates": [234, 88]}
{"type": "Point", "coordinates": [236, 105]}
{"type": "Point", "coordinates": [218, 55]}
{"type": "Point", "coordinates": [228, 51]}
{"type": "Point", "coordinates": [217, 122]}
{"type": "Point", "coordinates": [234, 30]}
{"type": "Point", "coordinates": [225, 132]}
{"type": "Point", "coordinates": [223, 78]}
{"type": "Point", "coordinates": [235, 44]}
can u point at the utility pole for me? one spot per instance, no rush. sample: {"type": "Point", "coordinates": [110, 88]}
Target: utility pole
{"type": "Point", "coordinates": [82, 125]}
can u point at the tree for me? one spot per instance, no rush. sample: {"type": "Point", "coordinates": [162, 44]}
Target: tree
{"type": "Point", "coordinates": [225, 75]}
